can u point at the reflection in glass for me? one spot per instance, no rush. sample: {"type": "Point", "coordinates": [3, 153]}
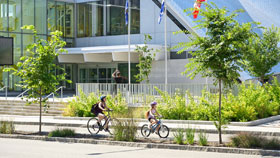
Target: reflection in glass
{"type": "Point", "coordinates": [69, 20]}
{"type": "Point", "coordinates": [3, 15]}
{"type": "Point", "coordinates": [51, 16]}
{"type": "Point", "coordinates": [97, 13]}
{"type": "Point", "coordinates": [60, 17]}
{"type": "Point", "coordinates": [93, 76]}
{"type": "Point", "coordinates": [14, 15]}
{"type": "Point", "coordinates": [116, 17]}
{"type": "Point", "coordinates": [27, 40]}
{"type": "Point", "coordinates": [84, 20]}
{"type": "Point", "coordinates": [83, 75]}
{"type": "Point", "coordinates": [28, 13]}
{"type": "Point", "coordinates": [17, 47]}
{"type": "Point", "coordinates": [41, 16]}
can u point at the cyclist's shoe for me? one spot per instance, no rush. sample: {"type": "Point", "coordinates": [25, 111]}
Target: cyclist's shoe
{"type": "Point", "coordinates": [106, 130]}
{"type": "Point", "coordinates": [99, 125]}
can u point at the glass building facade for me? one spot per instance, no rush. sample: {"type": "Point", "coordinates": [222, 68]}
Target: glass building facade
{"type": "Point", "coordinates": [106, 17]}
{"type": "Point", "coordinates": [88, 19]}
{"type": "Point", "coordinates": [45, 15]}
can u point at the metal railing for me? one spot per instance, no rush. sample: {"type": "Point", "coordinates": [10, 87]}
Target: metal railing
{"type": "Point", "coordinates": [21, 94]}
{"type": "Point", "coordinates": [6, 91]}
{"type": "Point", "coordinates": [53, 93]}
{"type": "Point", "coordinates": [143, 93]}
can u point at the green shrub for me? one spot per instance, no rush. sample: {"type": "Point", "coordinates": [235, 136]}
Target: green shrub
{"type": "Point", "coordinates": [202, 139]}
{"type": "Point", "coordinates": [179, 136]}
{"type": "Point", "coordinates": [190, 134]}
{"type": "Point", "coordinates": [125, 130]}
{"type": "Point", "coordinates": [62, 133]}
{"type": "Point", "coordinates": [245, 140]}
{"type": "Point", "coordinates": [252, 102]}
{"type": "Point", "coordinates": [7, 127]}
{"type": "Point", "coordinates": [81, 106]}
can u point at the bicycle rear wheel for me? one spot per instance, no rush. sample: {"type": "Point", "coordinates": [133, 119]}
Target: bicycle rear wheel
{"type": "Point", "coordinates": [163, 131]}
{"type": "Point", "coordinates": [92, 126]}
{"type": "Point", "coordinates": [145, 130]}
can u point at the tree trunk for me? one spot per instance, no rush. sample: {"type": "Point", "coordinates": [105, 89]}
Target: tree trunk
{"type": "Point", "coordinates": [220, 113]}
{"type": "Point", "coordinates": [40, 118]}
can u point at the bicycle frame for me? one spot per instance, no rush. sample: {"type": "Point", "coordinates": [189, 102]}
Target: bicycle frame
{"type": "Point", "coordinates": [158, 124]}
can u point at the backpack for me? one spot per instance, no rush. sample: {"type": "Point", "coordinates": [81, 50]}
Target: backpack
{"type": "Point", "coordinates": [94, 107]}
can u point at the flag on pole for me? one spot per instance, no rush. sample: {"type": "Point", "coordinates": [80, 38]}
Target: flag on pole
{"type": "Point", "coordinates": [161, 12]}
{"type": "Point", "coordinates": [126, 12]}
{"type": "Point", "coordinates": [197, 6]}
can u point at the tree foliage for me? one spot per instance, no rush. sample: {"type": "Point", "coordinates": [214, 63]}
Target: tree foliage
{"type": "Point", "coordinates": [262, 54]}
{"type": "Point", "coordinates": [217, 53]}
{"type": "Point", "coordinates": [37, 69]}
{"type": "Point", "coordinates": [146, 58]}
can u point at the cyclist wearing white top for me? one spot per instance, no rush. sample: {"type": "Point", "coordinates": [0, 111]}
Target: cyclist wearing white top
{"type": "Point", "coordinates": [151, 115]}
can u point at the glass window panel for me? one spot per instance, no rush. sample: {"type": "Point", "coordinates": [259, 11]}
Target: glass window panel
{"type": "Point", "coordinates": [41, 13]}
{"type": "Point", "coordinates": [81, 20]}
{"type": "Point", "coordinates": [84, 15]}
{"type": "Point", "coordinates": [68, 71]}
{"type": "Point", "coordinates": [83, 76]}
{"type": "Point", "coordinates": [15, 15]}
{"type": "Point", "coordinates": [88, 21]}
{"type": "Point", "coordinates": [102, 73]}
{"type": "Point", "coordinates": [93, 76]}
{"type": "Point", "coordinates": [17, 47]}
{"type": "Point", "coordinates": [3, 15]}
{"type": "Point", "coordinates": [3, 75]}
{"type": "Point", "coordinates": [60, 17]}
{"type": "Point", "coordinates": [51, 16]}
{"type": "Point", "coordinates": [97, 16]}
{"type": "Point", "coordinates": [27, 40]}
{"type": "Point", "coordinates": [116, 17]}
{"type": "Point", "coordinates": [69, 20]}
{"type": "Point", "coordinates": [28, 13]}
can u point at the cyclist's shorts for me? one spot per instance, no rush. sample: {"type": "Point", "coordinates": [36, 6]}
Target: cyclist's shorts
{"type": "Point", "coordinates": [96, 113]}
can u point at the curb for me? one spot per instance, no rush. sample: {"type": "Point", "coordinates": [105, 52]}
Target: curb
{"type": "Point", "coordinates": [151, 145]}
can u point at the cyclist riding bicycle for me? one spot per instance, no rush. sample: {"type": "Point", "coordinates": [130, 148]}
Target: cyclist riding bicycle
{"type": "Point", "coordinates": [151, 115]}
{"type": "Point", "coordinates": [99, 112]}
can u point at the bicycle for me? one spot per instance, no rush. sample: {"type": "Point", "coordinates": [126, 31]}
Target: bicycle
{"type": "Point", "coordinates": [94, 128]}
{"type": "Point", "coordinates": [163, 131]}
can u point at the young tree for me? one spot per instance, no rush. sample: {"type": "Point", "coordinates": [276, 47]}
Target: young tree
{"type": "Point", "coordinates": [146, 58]}
{"type": "Point", "coordinates": [217, 53]}
{"type": "Point", "coordinates": [37, 69]}
{"type": "Point", "coordinates": [262, 53]}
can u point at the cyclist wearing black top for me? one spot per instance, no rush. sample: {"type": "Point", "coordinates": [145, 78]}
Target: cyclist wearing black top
{"type": "Point", "coordinates": [99, 111]}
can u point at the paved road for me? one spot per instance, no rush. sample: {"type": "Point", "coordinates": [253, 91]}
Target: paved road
{"type": "Point", "coordinates": [15, 148]}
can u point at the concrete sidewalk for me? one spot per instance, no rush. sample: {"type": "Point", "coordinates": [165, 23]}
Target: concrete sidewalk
{"type": "Point", "coordinates": [82, 123]}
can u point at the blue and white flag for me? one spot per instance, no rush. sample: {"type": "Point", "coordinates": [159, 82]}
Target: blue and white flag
{"type": "Point", "coordinates": [126, 12]}
{"type": "Point", "coordinates": [161, 12]}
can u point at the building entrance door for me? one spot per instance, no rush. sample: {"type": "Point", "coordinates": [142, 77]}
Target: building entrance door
{"type": "Point", "coordinates": [96, 75]}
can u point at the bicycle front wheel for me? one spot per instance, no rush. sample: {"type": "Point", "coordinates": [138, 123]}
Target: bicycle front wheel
{"type": "Point", "coordinates": [92, 126]}
{"type": "Point", "coordinates": [145, 130]}
{"type": "Point", "coordinates": [163, 131]}
{"type": "Point", "coordinates": [111, 125]}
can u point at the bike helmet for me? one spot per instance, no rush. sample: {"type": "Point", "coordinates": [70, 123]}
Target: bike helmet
{"type": "Point", "coordinates": [102, 97]}
{"type": "Point", "coordinates": [153, 103]}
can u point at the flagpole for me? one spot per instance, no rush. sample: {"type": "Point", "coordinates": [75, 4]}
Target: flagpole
{"type": "Point", "coordinates": [129, 25]}
{"type": "Point", "coordinates": [165, 44]}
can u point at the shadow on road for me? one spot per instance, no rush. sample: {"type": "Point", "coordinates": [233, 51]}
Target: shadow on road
{"type": "Point", "coordinates": [112, 152]}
